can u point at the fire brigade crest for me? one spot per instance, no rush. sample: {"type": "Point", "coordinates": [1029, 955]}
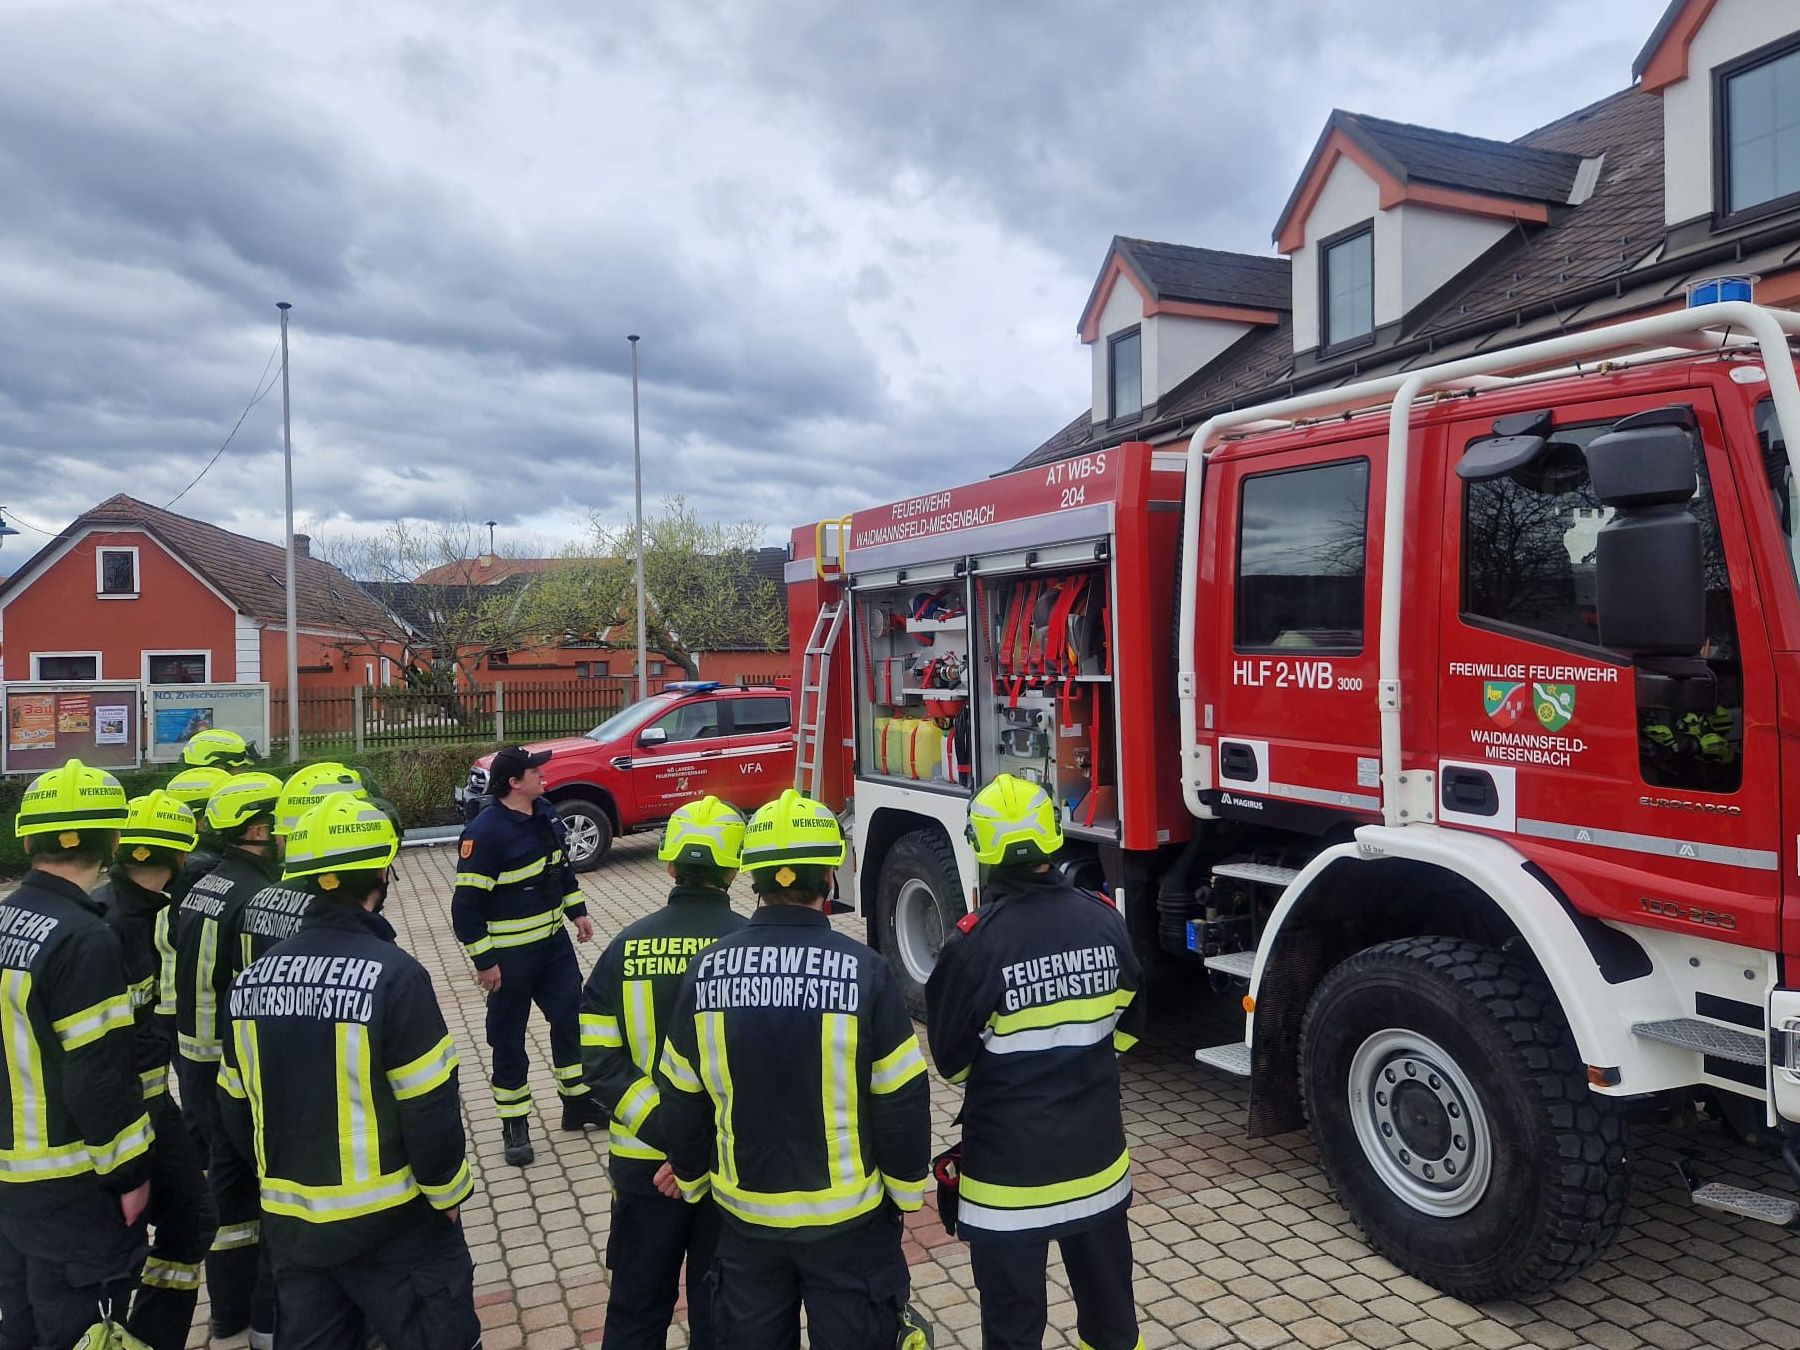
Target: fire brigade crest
{"type": "Point", "coordinates": [1554, 704]}
{"type": "Point", "coordinates": [1505, 702]}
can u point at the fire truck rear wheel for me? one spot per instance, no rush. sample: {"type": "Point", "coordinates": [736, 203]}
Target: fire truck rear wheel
{"type": "Point", "coordinates": [916, 906]}
{"type": "Point", "coordinates": [590, 832]}
{"type": "Point", "coordinates": [1452, 1115]}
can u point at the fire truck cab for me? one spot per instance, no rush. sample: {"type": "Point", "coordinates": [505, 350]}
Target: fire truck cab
{"type": "Point", "coordinates": [1452, 719]}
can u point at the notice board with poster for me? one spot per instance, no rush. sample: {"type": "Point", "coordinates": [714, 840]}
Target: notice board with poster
{"type": "Point", "coordinates": [177, 711]}
{"type": "Point", "coordinates": [98, 723]}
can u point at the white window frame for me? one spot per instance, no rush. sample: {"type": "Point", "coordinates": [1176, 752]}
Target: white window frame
{"type": "Point", "coordinates": [203, 653]}
{"type": "Point", "coordinates": [1114, 412]}
{"type": "Point", "coordinates": [387, 670]}
{"type": "Point", "coordinates": [137, 576]}
{"type": "Point", "coordinates": [99, 672]}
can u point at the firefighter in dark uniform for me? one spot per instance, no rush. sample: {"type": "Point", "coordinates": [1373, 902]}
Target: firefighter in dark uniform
{"type": "Point", "coordinates": [339, 1077]}
{"type": "Point", "coordinates": [242, 816]}
{"type": "Point", "coordinates": [274, 913]}
{"type": "Point", "coordinates": [159, 832]}
{"type": "Point", "coordinates": [1030, 1005]}
{"type": "Point", "coordinates": [514, 888]}
{"type": "Point", "coordinates": [628, 1002]}
{"type": "Point", "coordinates": [194, 788]}
{"type": "Point", "coordinates": [794, 1090]}
{"type": "Point", "coordinates": [74, 1135]}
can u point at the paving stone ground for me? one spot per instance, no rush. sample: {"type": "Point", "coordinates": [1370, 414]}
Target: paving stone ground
{"type": "Point", "coordinates": [1237, 1242]}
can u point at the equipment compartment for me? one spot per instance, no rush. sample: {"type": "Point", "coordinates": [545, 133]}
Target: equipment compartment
{"type": "Point", "coordinates": [1048, 710]}
{"type": "Point", "coordinates": [913, 722]}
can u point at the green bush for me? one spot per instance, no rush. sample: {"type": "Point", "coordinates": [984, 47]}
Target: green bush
{"type": "Point", "coordinates": [418, 780]}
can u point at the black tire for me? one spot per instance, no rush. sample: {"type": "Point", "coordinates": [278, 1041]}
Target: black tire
{"type": "Point", "coordinates": [586, 819]}
{"type": "Point", "coordinates": [923, 857]}
{"type": "Point", "coordinates": [1556, 1177]}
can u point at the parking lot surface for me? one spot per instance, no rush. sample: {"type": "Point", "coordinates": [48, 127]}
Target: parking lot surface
{"type": "Point", "coordinates": [1237, 1241]}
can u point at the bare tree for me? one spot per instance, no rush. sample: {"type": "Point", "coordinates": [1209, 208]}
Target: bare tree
{"type": "Point", "coordinates": [703, 593]}
{"type": "Point", "coordinates": [454, 620]}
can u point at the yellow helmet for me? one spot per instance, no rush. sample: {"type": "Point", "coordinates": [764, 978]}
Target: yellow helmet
{"type": "Point", "coordinates": [704, 831]}
{"type": "Point", "coordinates": [193, 788]}
{"type": "Point", "coordinates": [1012, 820]}
{"type": "Point", "coordinates": [156, 820]}
{"type": "Point", "coordinates": [71, 798]}
{"type": "Point", "coordinates": [217, 748]}
{"type": "Point", "coordinates": [310, 786]}
{"type": "Point", "coordinates": [343, 833]}
{"type": "Point", "coordinates": [241, 798]}
{"type": "Point", "coordinates": [793, 830]}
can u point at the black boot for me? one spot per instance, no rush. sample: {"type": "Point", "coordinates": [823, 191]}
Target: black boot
{"type": "Point", "coordinates": [583, 1112]}
{"type": "Point", "coordinates": [516, 1132]}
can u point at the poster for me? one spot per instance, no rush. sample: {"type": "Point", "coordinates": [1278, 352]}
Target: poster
{"type": "Point", "coordinates": [112, 725]}
{"type": "Point", "coordinates": [178, 711]}
{"type": "Point", "coordinates": [97, 722]}
{"type": "Point", "coordinates": [74, 714]}
{"type": "Point", "coordinates": [31, 722]}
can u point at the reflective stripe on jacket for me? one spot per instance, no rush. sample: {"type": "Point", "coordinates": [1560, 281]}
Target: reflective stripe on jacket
{"type": "Point", "coordinates": [629, 999]}
{"type": "Point", "coordinates": [514, 885]}
{"type": "Point", "coordinates": [339, 1079]}
{"type": "Point", "coordinates": [71, 1110]}
{"type": "Point", "coordinates": [792, 1085]}
{"type": "Point", "coordinates": [1030, 1005]}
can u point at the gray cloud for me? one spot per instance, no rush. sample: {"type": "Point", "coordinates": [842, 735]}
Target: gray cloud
{"type": "Point", "coordinates": [856, 238]}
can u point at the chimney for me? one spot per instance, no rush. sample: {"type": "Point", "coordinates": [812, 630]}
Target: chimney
{"type": "Point", "coordinates": [303, 546]}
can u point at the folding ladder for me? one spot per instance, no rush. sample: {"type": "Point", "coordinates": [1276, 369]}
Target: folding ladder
{"type": "Point", "coordinates": [815, 679]}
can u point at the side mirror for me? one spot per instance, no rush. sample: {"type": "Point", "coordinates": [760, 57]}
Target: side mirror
{"type": "Point", "coordinates": [1649, 577]}
{"type": "Point", "coordinates": [653, 736]}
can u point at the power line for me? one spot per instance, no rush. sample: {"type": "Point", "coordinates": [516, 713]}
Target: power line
{"type": "Point", "coordinates": [12, 516]}
{"type": "Point", "coordinates": [256, 398]}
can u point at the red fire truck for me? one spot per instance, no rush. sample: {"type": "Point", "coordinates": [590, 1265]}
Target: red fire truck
{"type": "Point", "coordinates": [1455, 716]}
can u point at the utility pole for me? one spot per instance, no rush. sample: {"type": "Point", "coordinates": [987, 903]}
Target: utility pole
{"type": "Point", "coordinates": [637, 457]}
{"type": "Point", "coordinates": [293, 622]}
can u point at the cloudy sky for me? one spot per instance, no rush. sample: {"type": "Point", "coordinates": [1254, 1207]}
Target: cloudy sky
{"type": "Point", "coordinates": [856, 238]}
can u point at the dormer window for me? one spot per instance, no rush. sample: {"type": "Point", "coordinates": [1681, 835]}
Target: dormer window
{"type": "Point", "coordinates": [1758, 116]}
{"type": "Point", "coordinates": [1125, 371]}
{"type": "Point", "coordinates": [1348, 286]}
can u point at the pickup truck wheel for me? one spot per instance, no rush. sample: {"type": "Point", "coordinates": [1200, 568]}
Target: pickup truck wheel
{"type": "Point", "coordinates": [590, 832]}
{"type": "Point", "coordinates": [916, 905]}
{"type": "Point", "coordinates": [1453, 1116]}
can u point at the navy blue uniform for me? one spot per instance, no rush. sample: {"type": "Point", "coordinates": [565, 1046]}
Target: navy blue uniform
{"type": "Point", "coordinates": [182, 1213]}
{"type": "Point", "coordinates": [1030, 1004]}
{"type": "Point", "coordinates": [514, 888]}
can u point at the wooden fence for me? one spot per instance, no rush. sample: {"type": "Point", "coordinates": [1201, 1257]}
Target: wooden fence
{"type": "Point", "coordinates": [379, 716]}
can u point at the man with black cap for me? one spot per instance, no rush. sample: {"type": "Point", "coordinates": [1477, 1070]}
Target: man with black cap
{"type": "Point", "coordinates": [514, 888]}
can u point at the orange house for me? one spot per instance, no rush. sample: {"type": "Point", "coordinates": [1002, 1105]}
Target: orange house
{"type": "Point", "coordinates": [130, 591]}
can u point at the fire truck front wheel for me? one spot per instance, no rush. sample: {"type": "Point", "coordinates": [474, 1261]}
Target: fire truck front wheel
{"type": "Point", "coordinates": [1453, 1117]}
{"type": "Point", "coordinates": [590, 832]}
{"type": "Point", "coordinates": [916, 906]}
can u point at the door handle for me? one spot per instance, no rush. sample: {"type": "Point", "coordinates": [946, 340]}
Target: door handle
{"type": "Point", "coordinates": [1237, 761]}
{"type": "Point", "coordinates": [1470, 792]}
{"type": "Point", "coordinates": [711, 754]}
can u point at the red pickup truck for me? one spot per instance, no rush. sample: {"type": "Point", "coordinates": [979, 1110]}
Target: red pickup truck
{"type": "Point", "coordinates": [631, 772]}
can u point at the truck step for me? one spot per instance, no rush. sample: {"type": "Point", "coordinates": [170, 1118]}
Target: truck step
{"type": "Point", "coordinates": [1260, 873]}
{"type": "Point", "coordinates": [1690, 1033]}
{"type": "Point", "coordinates": [1237, 965]}
{"type": "Point", "coordinates": [1781, 1210]}
{"type": "Point", "coordinates": [1232, 1058]}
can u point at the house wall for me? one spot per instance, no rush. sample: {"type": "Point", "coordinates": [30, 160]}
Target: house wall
{"type": "Point", "coordinates": [1417, 248]}
{"type": "Point", "coordinates": [1434, 246]}
{"type": "Point", "coordinates": [326, 661]}
{"type": "Point", "coordinates": [1732, 28]}
{"type": "Point", "coordinates": [1123, 308]}
{"type": "Point", "coordinates": [1175, 347]}
{"type": "Point", "coordinates": [60, 610]}
{"type": "Point", "coordinates": [736, 667]}
{"type": "Point", "coordinates": [1349, 197]}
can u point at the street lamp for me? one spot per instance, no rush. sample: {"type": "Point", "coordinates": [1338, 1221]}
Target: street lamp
{"type": "Point", "coordinates": [637, 459]}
